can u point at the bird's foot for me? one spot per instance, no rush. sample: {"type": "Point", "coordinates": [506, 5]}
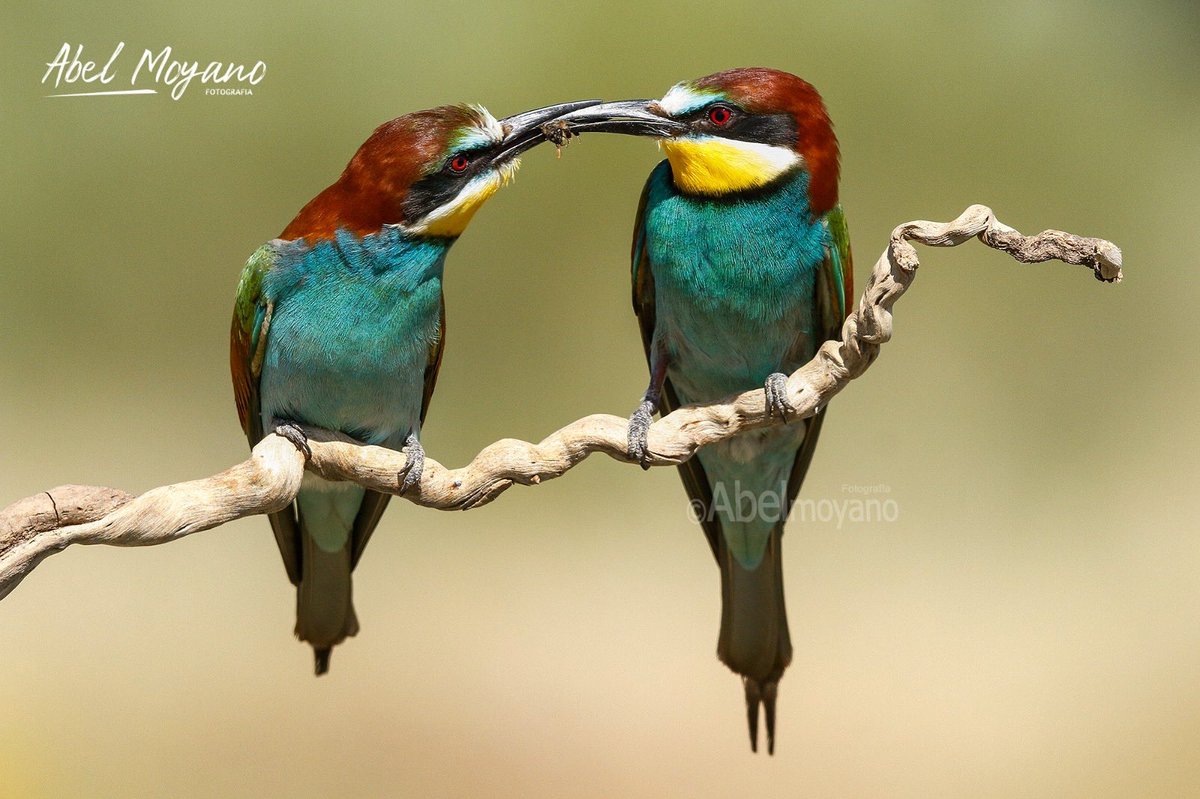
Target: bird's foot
{"type": "Point", "coordinates": [413, 469]}
{"type": "Point", "coordinates": [639, 429]}
{"type": "Point", "coordinates": [775, 388]}
{"type": "Point", "coordinates": [765, 694]}
{"type": "Point", "coordinates": [292, 432]}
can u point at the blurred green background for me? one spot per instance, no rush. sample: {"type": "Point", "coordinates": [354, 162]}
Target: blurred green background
{"type": "Point", "coordinates": [1027, 627]}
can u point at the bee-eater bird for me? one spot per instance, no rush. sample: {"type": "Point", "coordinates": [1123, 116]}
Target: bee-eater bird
{"type": "Point", "coordinates": [340, 323]}
{"type": "Point", "coordinates": [741, 269]}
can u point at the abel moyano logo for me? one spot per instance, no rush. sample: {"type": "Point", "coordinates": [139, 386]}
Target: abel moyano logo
{"type": "Point", "coordinates": [152, 72]}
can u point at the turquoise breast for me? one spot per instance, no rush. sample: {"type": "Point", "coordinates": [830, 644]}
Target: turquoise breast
{"type": "Point", "coordinates": [734, 288]}
{"type": "Point", "coordinates": [354, 319]}
{"type": "Point", "coordinates": [734, 282]}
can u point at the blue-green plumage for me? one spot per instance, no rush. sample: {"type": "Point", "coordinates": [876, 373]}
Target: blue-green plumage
{"type": "Point", "coordinates": [353, 323]}
{"type": "Point", "coordinates": [339, 324]}
{"type": "Point", "coordinates": [741, 269]}
{"type": "Point", "coordinates": [354, 320]}
{"type": "Point", "coordinates": [735, 301]}
{"type": "Point", "coordinates": [735, 288]}
{"type": "Point", "coordinates": [729, 291]}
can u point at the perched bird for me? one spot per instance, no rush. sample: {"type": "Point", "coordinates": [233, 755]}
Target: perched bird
{"type": "Point", "coordinates": [340, 323]}
{"type": "Point", "coordinates": [741, 269]}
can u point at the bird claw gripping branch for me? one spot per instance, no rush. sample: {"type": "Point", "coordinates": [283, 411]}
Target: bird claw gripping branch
{"type": "Point", "coordinates": [415, 466]}
{"type": "Point", "coordinates": [775, 388]}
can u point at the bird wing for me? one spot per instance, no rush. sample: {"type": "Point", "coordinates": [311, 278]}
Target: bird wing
{"type": "Point", "coordinates": [247, 344]}
{"type": "Point", "coordinates": [247, 340]}
{"type": "Point", "coordinates": [695, 481]}
{"type": "Point", "coordinates": [434, 364]}
{"type": "Point", "coordinates": [834, 293]}
{"type": "Point", "coordinates": [375, 503]}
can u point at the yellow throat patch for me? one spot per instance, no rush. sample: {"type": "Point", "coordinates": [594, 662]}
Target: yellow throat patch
{"type": "Point", "coordinates": [712, 165]}
{"type": "Point", "coordinates": [451, 219]}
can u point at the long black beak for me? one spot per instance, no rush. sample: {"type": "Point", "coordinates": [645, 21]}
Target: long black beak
{"type": "Point", "coordinates": [632, 117]}
{"type": "Point", "coordinates": [523, 131]}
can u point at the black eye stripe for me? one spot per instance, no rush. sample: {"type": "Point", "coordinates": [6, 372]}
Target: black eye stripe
{"type": "Point", "coordinates": [775, 129]}
{"type": "Point", "coordinates": [440, 187]}
{"type": "Point", "coordinates": [437, 189]}
{"type": "Point", "coordinates": [473, 156]}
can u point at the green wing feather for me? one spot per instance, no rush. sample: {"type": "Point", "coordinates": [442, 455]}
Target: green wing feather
{"type": "Point", "coordinates": [838, 275]}
{"type": "Point", "coordinates": [248, 337]}
{"type": "Point", "coordinates": [247, 342]}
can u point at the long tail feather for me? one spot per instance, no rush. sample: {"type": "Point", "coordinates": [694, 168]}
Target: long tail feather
{"type": "Point", "coordinates": [324, 598]}
{"type": "Point", "coordinates": [754, 640]}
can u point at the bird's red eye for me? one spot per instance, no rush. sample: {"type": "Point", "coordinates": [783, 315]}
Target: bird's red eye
{"type": "Point", "coordinates": [719, 115]}
{"type": "Point", "coordinates": [459, 163]}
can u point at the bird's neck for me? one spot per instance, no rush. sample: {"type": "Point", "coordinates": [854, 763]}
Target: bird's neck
{"type": "Point", "coordinates": [349, 204]}
{"type": "Point", "coordinates": [390, 254]}
{"type": "Point", "coordinates": [771, 231]}
{"type": "Point", "coordinates": [787, 196]}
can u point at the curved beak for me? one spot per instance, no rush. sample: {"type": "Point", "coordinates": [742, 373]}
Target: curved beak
{"type": "Point", "coordinates": [524, 131]}
{"type": "Point", "coordinates": [632, 117]}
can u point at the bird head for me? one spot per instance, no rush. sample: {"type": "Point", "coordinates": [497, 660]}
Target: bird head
{"type": "Point", "coordinates": [730, 132]}
{"type": "Point", "coordinates": [426, 173]}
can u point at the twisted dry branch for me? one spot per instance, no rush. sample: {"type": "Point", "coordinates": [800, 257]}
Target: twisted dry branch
{"type": "Point", "coordinates": [41, 525]}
